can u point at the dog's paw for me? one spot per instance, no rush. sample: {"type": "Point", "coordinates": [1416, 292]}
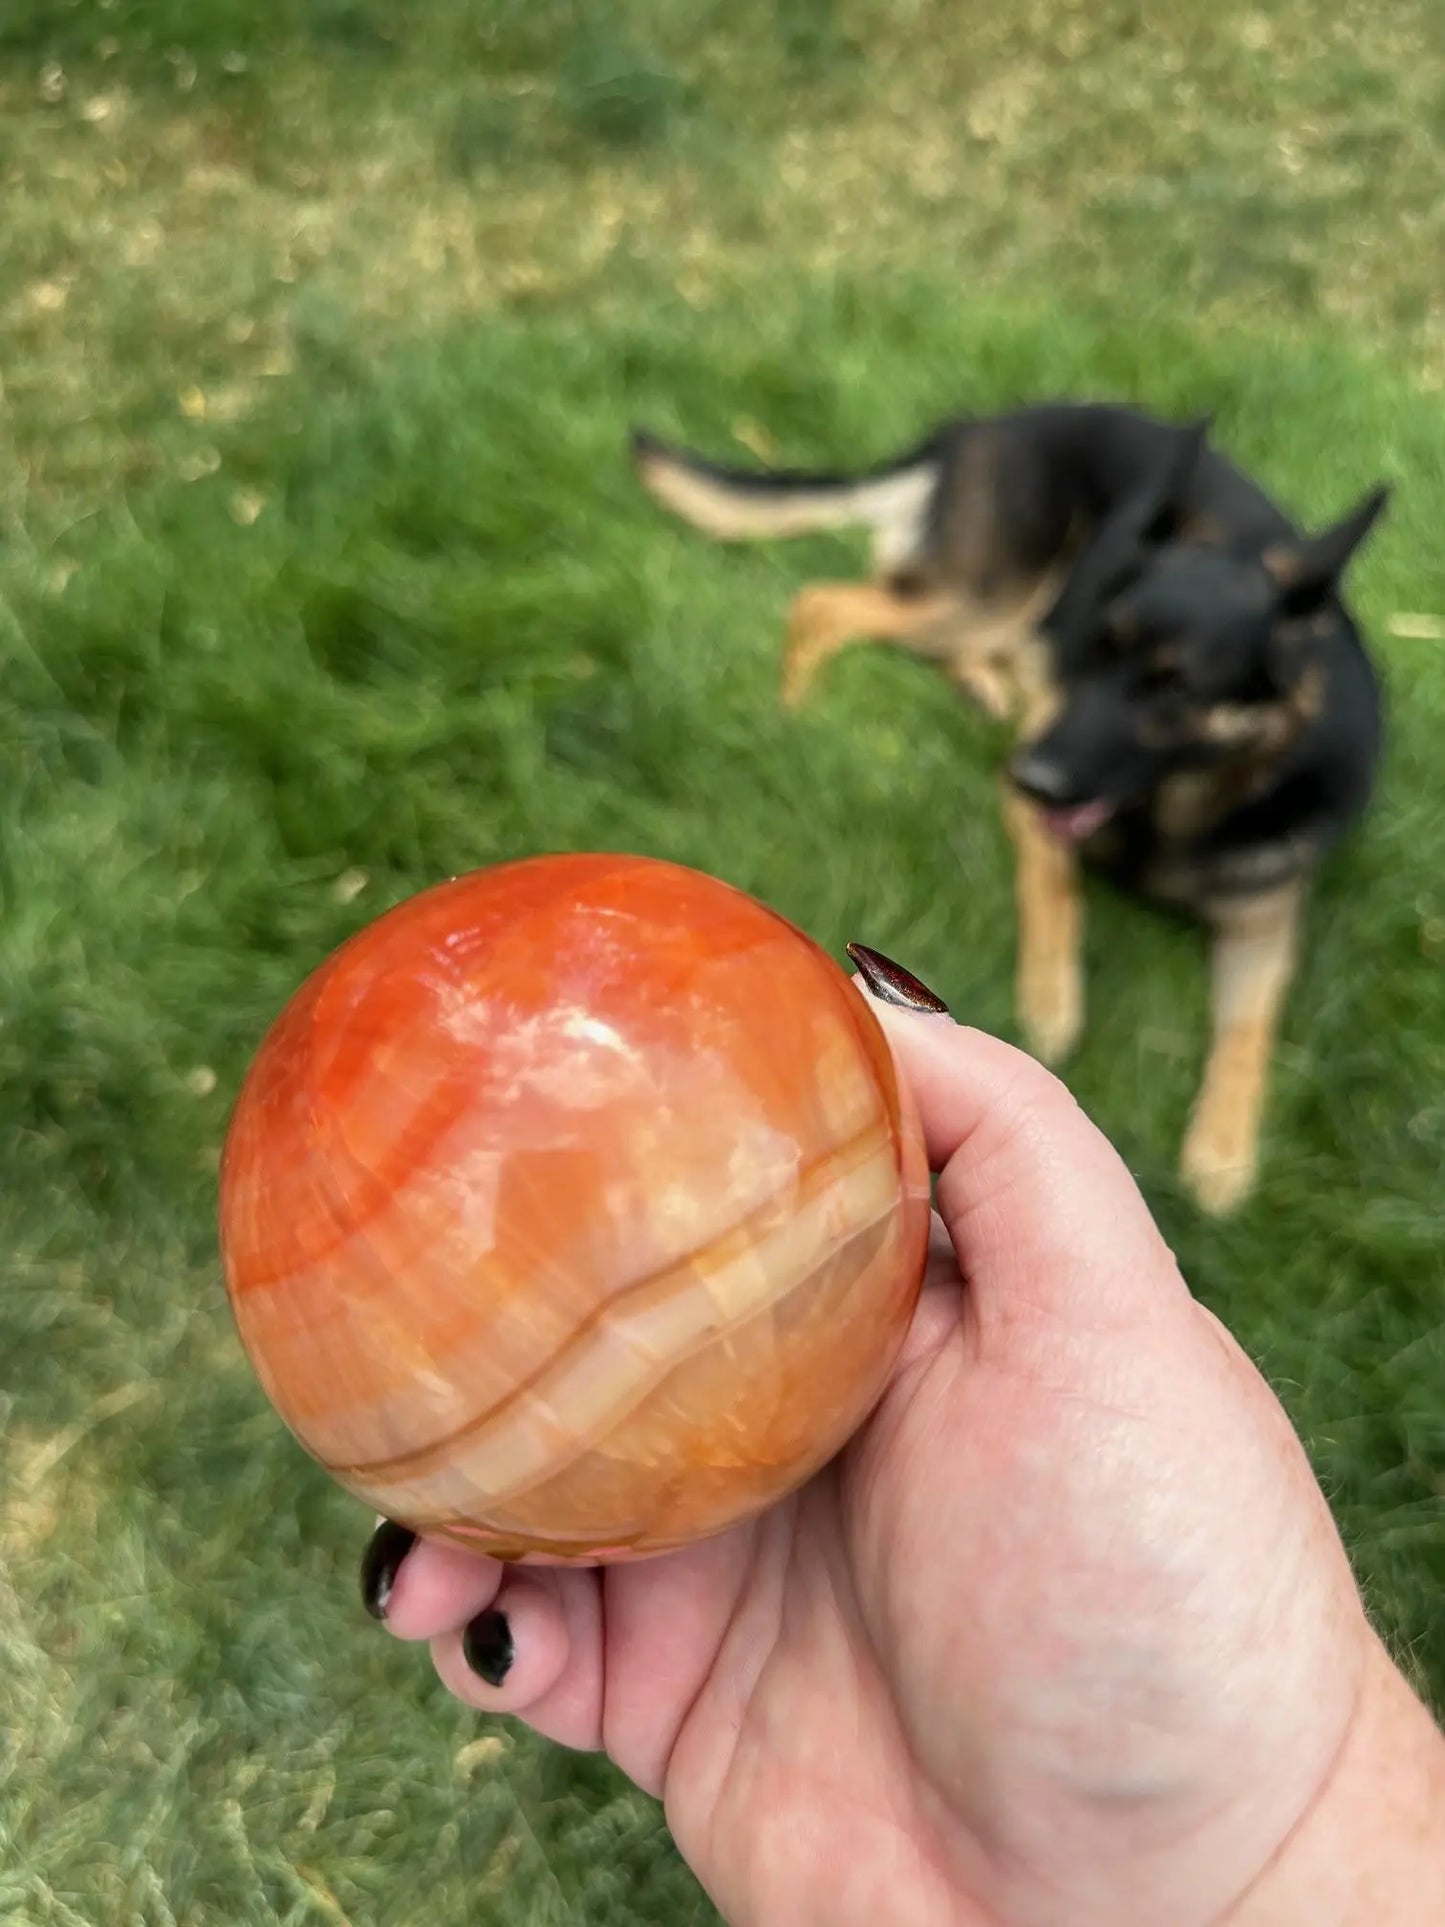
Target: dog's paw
{"type": "Point", "coordinates": [1051, 1008]}
{"type": "Point", "coordinates": [1217, 1165]}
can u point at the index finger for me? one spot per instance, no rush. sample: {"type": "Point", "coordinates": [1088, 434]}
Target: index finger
{"type": "Point", "coordinates": [1043, 1213]}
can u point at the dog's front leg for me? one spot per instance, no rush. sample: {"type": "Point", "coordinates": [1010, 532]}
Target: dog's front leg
{"type": "Point", "coordinates": [1050, 992]}
{"type": "Point", "coordinates": [1255, 948]}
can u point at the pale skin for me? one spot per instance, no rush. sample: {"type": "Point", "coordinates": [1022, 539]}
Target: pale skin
{"type": "Point", "coordinates": [1066, 1635]}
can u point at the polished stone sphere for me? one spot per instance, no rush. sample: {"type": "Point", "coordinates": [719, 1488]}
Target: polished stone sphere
{"type": "Point", "coordinates": [573, 1210]}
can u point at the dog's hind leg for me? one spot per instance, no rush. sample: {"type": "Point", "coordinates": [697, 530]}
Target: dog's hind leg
{"type": "Point", "coordinates": [1050, 993]}
{"type": "Point", "coordinates": [1255, 949]}
{"type": "Point", "coordinates": [827, 616]}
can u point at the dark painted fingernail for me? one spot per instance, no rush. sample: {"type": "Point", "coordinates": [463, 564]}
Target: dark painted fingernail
{"type": "Point", "coordinates": [381, 1562]}
{"type": "Point", "coordinates": [890, 983]}
{"type": "Point", "coordinates": [487, 1646]}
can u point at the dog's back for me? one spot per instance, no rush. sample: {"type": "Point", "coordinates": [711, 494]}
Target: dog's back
{"type": "Point", "coordinates": [980, 502]}
{"type": "Point", "coordinates": [1057, 471]}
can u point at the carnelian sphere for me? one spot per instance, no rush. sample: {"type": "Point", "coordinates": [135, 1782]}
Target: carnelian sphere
{"type": "Point", "coordinates": [573, 1209]}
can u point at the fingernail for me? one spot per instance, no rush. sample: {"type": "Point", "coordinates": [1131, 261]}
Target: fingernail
{"type": "Point", "coordinates": [487, 1646]}
{"type": "Point", "coordinates": [890, 983]}
{"type": "Point", "coordinates": [381, 1562]}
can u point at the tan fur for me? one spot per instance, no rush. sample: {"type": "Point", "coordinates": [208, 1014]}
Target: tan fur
{"type": "Point", "coordinates": [1050, 979]}
{"type": "Point", "coordinates": [988, 648]}
{"type": "Point", "coordinates": [969, 532]}
{"type": "Point", "coordinates": [1255, 950]}
{"type": "Point", "coordinates": [827, 616]}
{"type": "Point", "coordinates": [728, 518]}
{"type": "Point", "coordinates": [1307, 698]}
{"type": "Point", "coordinates": [1232, 725]}
{"type": "Point", "coordinates": [999, 659]}
{"type": "Point", "coordinates": [992, 649]}
{"type": "Point", "coordinates": [971, 603]}
{"type": "Point", "coordinates": [892, 506]}
{"type": "Point", "coordinates": [1040, 699]}
{"type": "Point", "coordinates": [1195, 800]}
{"type": "Point", "coordinates": [996, 654]}
{"type": "Point", "coordinates": [1268, 728]}
{"type": "Point", "coordinates": [1284, 563]}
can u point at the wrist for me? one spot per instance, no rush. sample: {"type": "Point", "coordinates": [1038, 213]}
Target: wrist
{"type": "Point", "coordinates": [1370, 1850]}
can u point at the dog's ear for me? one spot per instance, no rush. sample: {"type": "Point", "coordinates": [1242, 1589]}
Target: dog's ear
{"type": "Point", "coordinates": [1307, 573]}
{"type": "Point", "coordinates": [1115, 553]}
{"type": "Point", "coordinates": [1156, 511]}
{"type": "Point", "coordinates": [1109, 560]}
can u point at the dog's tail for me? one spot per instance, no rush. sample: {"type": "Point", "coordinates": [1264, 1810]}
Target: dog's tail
{"type": "Point", "coordinates": [741, 505]}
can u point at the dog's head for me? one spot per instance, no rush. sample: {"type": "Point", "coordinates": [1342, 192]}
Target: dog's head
{"type": "Point", "coordinates": [1172, 652]}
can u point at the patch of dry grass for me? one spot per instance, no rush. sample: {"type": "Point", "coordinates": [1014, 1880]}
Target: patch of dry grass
{"type": "Point", "coordinates": [172, 224]}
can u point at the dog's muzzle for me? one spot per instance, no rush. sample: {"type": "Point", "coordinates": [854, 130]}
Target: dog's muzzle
{"type": "Point", "coordinates": [1066, 815]}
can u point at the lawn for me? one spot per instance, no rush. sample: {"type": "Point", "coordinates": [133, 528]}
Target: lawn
{"type": "Point", "coordinates": [322, 576]}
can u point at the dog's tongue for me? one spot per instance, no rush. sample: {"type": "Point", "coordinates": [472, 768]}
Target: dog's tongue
{"type": "Point", "coordinates": [1072, 826]}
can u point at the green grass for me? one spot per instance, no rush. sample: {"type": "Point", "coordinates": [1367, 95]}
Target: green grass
{"type": "Point", "coordinates": [321, 576]}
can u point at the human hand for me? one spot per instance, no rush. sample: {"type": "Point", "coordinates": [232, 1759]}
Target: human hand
{"type": "Point", "coordinates": [1066, 1634]}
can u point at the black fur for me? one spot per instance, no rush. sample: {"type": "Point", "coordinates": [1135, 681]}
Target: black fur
{"type": "Point", "coordinates": [1195, 712]}
{"type": "Point", "coordinates": [1168, 550]}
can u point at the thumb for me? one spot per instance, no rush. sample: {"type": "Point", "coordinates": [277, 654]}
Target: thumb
{"type": "Point", "coordinates": [1045, 1218]}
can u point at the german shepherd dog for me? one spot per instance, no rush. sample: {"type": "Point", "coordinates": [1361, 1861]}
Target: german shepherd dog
{"type": "Point", "coordinates": [1195, 712]}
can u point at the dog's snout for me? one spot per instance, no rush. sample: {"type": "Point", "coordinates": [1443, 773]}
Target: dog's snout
{"type": "Point", "coordinates": [1039, 776]}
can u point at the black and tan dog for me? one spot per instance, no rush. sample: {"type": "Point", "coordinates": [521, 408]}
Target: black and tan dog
{"type": "Point", "coordinates": [1196, 712]}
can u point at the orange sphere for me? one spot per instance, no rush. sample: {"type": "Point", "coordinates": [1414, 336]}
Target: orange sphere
{"type": "Point", "coordinates": [573, 1209]}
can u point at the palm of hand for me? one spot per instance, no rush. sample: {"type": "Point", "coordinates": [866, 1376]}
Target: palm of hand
{"type": "Point", "coordinates": [1041, 1645]}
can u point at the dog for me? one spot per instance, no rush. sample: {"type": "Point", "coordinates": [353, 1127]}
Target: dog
{"type": "Point", "coordinates": [1193, 707]}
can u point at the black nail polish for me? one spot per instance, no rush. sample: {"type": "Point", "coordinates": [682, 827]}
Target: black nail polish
{"type": "Point", "coordinates": [890, 983]}
{"type": "Point", "coordinates": [381, 1562]}
{"type": "Point", "coordinates": [487, 1646]}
